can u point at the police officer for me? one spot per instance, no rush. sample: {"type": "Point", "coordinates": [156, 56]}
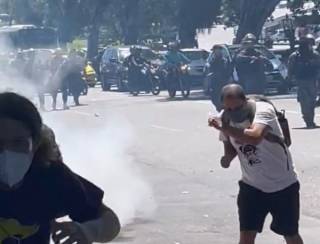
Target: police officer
{"type": "Point", "coordinates": [76, 84]}
{"type": "Point", "coordinates": [220, 69]}
{"type": "Point", "coordinates": [250, 64]}
{"type": "Point", "coordinates": [135, 62]}
{"type": "Point", "coordinates": [304, 65]}
{"type": "Point", "coordinates": [56, 81]}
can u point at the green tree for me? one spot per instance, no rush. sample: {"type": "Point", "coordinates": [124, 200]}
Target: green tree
{"type": "Point", "coordinates": [194, 15]}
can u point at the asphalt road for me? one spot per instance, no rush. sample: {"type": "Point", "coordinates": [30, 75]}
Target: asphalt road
{"type": "Point", "coordinates": [174, 191]}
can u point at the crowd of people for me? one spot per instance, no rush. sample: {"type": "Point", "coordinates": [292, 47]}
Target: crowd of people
{"type": "Point", "coordinates": [51, 74]}
{"type": "Point", "coordinates": [250, 128]}
{"type": "Point", "coordinates": [250, 64]}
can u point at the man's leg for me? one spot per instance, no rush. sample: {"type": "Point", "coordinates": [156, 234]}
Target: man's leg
{"type": "Point", "coordinates": [76, 96]}
{"type": "Point", "coordinates": [65, 94]}
{"type": "Point", "coordinates": [247, 237]}
{"type": "Point", "coordinates": [296, 239]}
{"type": "Point", "coordinates": [286, 213]}
{"type": "Point", "coordinates": [216, 100]}
{"type": "Point", "coordinates": [304, 100]}
{"type": "Point", "coordinates": [41, 100]}
{"type": "Point", "coordinates": [54, 95]}
{"type": "Point", "coordinates": [252, 209]}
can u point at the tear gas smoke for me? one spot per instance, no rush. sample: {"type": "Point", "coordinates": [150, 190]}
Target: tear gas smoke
{"type": "Point", "coordinates": [101, 155]}
{"type": "Point", "coordinates": [97, 153]}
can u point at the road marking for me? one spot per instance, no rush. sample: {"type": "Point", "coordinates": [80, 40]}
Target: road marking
{"type": "Point", "coordinates": [166, 128]}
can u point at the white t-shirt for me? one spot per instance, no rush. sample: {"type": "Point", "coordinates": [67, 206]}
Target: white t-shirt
{"type": "Point", "coordinates": [266, 166]}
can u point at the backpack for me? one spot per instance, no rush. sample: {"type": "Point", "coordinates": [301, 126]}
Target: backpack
{"type": "Point", "coordinates": [283, 122]}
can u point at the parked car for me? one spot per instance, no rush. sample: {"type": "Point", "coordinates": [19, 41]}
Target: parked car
{"type": "Point", "coordinates": [197, 64]}
{"type": "Point", "coordinates": [112, 70]}
{"type": "Point", "coordinates": [276, 73]}
{"type": "Point", "coordinates": [279, 36]}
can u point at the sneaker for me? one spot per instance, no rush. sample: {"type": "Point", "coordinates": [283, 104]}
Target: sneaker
{"type": "Point", "coordinates": [65, 107]}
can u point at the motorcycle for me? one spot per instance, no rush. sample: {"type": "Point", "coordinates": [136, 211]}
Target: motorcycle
{"type": "Point", "coordinates": [176, 80]}
{"type": "Point", "coordinates": [150, 81]}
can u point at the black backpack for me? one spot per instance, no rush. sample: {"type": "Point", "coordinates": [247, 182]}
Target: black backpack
{"type": "Point", "coordinates": [283, 121]}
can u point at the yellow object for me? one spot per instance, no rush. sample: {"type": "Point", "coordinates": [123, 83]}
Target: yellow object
{"type": "Point", "coordinates": [12, 228]}
{"type": "Point", "coordinates": [89, 70]}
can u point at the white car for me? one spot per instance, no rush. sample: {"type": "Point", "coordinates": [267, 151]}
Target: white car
{"type": "Point", "coordinates": [197, 64]}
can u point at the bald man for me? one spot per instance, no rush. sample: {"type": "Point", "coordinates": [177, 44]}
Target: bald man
{"type": "Point", "coordinates": [269, 182]}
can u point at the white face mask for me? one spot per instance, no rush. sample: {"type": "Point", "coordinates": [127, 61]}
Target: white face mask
{"type": "Point", "coordinates": [13, 167]}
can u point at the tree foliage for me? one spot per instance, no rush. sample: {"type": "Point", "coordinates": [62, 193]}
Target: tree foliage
{"type": "Point", "coordinates": [131, 20]}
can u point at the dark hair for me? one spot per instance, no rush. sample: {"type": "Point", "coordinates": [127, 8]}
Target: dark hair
{"type": "Point", "coordinates": [217, 47]}
{"type": "Point", "coordinates": [233, 90]}
{"type": "Point", "coordinates": [17, 107]}
{"type": "Point", "coordinates": [48, 150]}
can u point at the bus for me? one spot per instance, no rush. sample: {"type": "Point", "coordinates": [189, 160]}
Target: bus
{"type": "Point", "coordinates": [23, 37]}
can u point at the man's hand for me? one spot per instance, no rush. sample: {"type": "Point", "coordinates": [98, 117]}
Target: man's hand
{"type": "Point", "coordinates": [226, 161]}
{"type": "Point", "coordinates": [215, 124]}
{"type": "Point", "coordinates": [68, 233]}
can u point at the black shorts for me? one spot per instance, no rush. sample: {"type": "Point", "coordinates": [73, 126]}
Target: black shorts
{"type": "Point", "coordinates": [284, 206]}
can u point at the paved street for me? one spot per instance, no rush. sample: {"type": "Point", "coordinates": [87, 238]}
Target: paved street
{"type": "Point", "coordinates": [158, 163]}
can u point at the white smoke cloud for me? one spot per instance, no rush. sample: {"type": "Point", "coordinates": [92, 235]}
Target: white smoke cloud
{"type": "Point", "coordinates": [101, 155]}
{"type": "Point", "coordinates": [98, 153]}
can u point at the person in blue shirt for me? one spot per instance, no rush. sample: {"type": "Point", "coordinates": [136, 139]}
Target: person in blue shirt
{"type": "Point", "coordinates": [174, 56]}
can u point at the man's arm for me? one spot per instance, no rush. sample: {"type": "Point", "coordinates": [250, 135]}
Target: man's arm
{"type": "Point", "coordinates": [253, 135]}
{"type": "Point", "coordinates": [102, 229]}
{"type": "Point", "coordinates": [229, 154]}
{"type": "Point", "coordinates": [182, 58]}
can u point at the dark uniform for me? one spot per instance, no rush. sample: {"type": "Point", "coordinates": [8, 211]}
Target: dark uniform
{"type": "Point", "coordinates": [73, 77]}
{"type": "Point", "coordinates": [134, 64]}
{"type": "Point", "coordinates": [57, 82]}
{"type": "Point", "coordinates": [304, 68]}
{"type": "Point", "coordinates": [250, 65]}
{"type": "Point", "coordinates": [221, 71]}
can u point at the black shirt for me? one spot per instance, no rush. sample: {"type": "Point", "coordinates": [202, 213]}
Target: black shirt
{"type": "Point", "coordinates": [304, 67]}
{"type": "Point", "coordinates": [48, 192]}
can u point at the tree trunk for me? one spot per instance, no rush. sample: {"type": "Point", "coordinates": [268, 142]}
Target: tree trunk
{"type": "Point", "coordinates": [131, 22]}
{"type": "Point", "coordinates": [67, 23]}
{"type": "Point", "coordinates": [93, 41]}
{"type": "Point", "coordinates": [187, 37]}
{"type": "Point", "coordinates": [253, 16]}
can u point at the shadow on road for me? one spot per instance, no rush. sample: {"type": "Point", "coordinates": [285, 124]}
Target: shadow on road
{"type": "Point", "coordinates": [305, 128]}
{"type": "Point", "coordinates": [194, 96]}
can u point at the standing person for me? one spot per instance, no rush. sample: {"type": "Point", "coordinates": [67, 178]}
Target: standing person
{"type": "Point", "coordinates": [304, 65]}
{"type": "Point", "coordinates": [269, 184]}
{"type": "Point", "coordinates": [250, 64]}
{"type": "Point", "coordinates": [18, 64]}
{"type": "Point", "coordinates": [74, 67]}
{"type": "Point", "coordinates": [57, 81]}
{"type": "Point", "coordinates": [220, 69]}
{"type": "Point", "coordinates": [36, 187]}
{"type": "Point", "coordinates": [135, 62]}
{"type": "Point", "coordinates": [34, 73]}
